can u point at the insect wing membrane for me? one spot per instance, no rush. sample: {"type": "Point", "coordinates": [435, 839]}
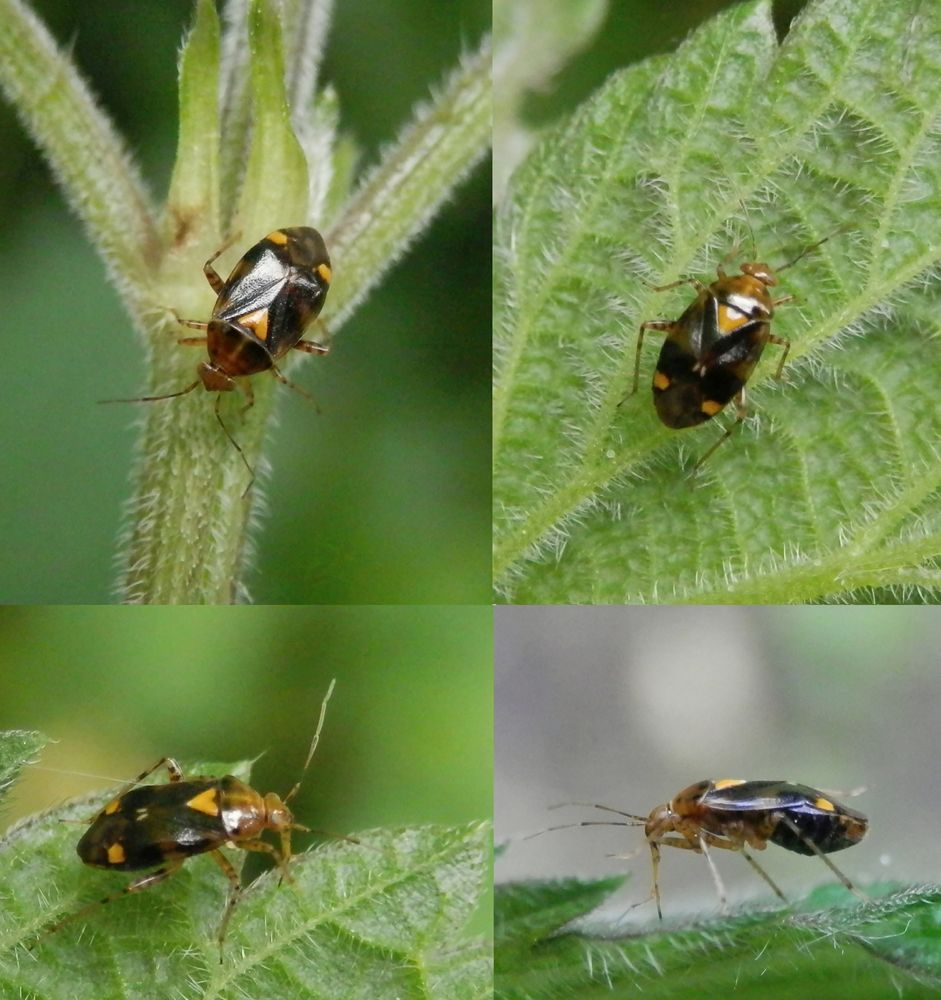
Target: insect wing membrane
{"type": "Point", "coordinates": [749, 796]}
{"type": "Point", "coordinates": [700, 324]}
{"type": "Point", "coordinates": [813, 818]}
{"type": "Point", "coordinates": [294, 307]}
{"type": "Point", "coordinates": [152, 824]}
{"type": "Point", "coordinates": [254, 283]}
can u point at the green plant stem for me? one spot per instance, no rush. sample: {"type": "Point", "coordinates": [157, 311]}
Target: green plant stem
{"type": "Point", "coordinates": [189, 515]}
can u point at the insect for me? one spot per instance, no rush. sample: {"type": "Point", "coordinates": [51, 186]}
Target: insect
{"type": "Point", "coordinates": [711, 351]}
{"type": "Point", "coordinates": [733, 814]}
{"type": "Point", "coordinates": [262, 310]}
{"type": "Point", "coordinates": [160, 826]}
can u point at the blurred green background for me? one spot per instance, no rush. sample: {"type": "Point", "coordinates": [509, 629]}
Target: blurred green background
{"type": "Point", "coordinates": [633, 30]}
{"type": "Point", "coordinates": [384, 497]}
{"type": "Point", "coordinates": [629, 31]}
{"type": "Point", "coordinates": [408, 733]}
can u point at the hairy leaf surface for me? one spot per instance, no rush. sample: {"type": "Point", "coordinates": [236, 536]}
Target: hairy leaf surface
{"type": "Point", "coordinates": [734, 145]}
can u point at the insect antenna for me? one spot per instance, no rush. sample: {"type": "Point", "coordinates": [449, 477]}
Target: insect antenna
{"type": "Point", "coordinates": [751, 232]}
{"type": "Point", "coordinates": [310, 754]}
{"type": "Point", "coordinates": [313, 743]}
{"type": "Point", "coordinates": [235, 445]}
{"type": "Point", "coordinates": [225, 430]}
{"type": "Point", "coordinates": [572, 826]}
{"type": "Point", "coordinates": [811, 248]}
{"type": "Point", "coordinates": [70, 772]}
{"type": "Point", "coordinates": [153, 399]}
{"type": "Point", "coordinates": [610, 809]}
{"type": "Point", "coordinates": [732, 252]}
{"type": "Point", "coordinates": [635, 820]}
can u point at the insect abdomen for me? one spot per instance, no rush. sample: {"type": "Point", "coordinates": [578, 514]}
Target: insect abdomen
{"type": "Point", "coordinates": [827, 831]}
{"type": "Point", "coordinates": [685, 398]}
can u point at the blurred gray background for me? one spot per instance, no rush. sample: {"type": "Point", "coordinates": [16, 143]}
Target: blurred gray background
{"type": "Point", "coordinates": [627, 706]}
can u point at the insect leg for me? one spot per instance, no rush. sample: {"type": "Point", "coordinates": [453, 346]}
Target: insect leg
{"type": "Point", "coordinates": [246, 386]}
{"type": "Point", "coordinates": [716, 877]}
{"type": "Point", "coordinates": [310, 347]}
{"type": "Point", "coordinates": [650, 324]}
{"type": "Point", "coordinates": [195, 324]}
{"type": "Point", "coordinates": [786, 344]}
{"type": "Point", "coordinates": [681, 842]}
{"type": "Point", "coordinates": [174, 772]}
{"type": "Point", "coordinates": [291, 385]}
{"type": "Point", "coordinates": [212, 275]}
{"type": "Point", "coordinates": [263, 847]}
{"type": "Point", "coordinates": [792, 826]}
{"type": "Point", "coordinates": [764, 875]}
{"type": "Point", "coordinates": [655, 888]}
{"type": "Point", "coordinates": [700, 842]}
{"type": "Point", "coordinates": [146, 881]}
{"type": "Point", "coordinates": [741, 412]}
{"type": "Point", "coordinates": [138, 885]}
{"type": "Point", "coordinates": [687, 844]}
{"type": "Point", "coordinates": [657, 324]}
{"type": "Point", "coordinates": [655, 867]}
{"type": "Point", "coordinates": [695, 282]}
{"type": "Point", "coordinates": [285, 854]}
{"type": "Point", "coordinates": [234, 444]}
{"type": "Point", "coordinates": [235, 894]}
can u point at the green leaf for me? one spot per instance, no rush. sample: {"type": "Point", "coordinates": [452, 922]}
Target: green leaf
{"type": "Point", "coordinates": [879, 947]}
{"type": "Point", "coordinates": [305, 34]}
{"type": "Point", "coordinates": [833, 489]}
{"type": "Point", "coordinates": [382, 918]}
{"type": "Point", "coordinates": [275, 185]}
{"type": "Point", "coordinates": [530, 911]}
{"type": "Point", "coordinates": [235, 108]}
{"type": "Point", "coordinates": [18, 747]}
{"type": "Point", "coordinates": [193, 201]}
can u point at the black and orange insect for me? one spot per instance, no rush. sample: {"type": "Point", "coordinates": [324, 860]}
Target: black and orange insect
{"type": "Point", "coordinates": [160, 826]}
{"type": "Point", "coordinates": [262, 310]}
{"type": "Point", "coordinates": [711, 351]}
{"type": "Point", "coordinates": [733, 814]}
